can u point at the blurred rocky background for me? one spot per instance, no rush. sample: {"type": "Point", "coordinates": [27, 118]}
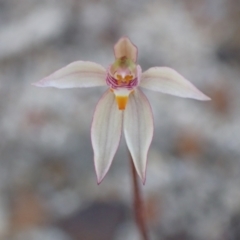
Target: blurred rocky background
{"type": "Point", "coordinates": [48, 186]}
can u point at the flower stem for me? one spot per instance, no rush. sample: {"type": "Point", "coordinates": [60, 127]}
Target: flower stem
{"type": "Point", "coordinates": [138, 203]}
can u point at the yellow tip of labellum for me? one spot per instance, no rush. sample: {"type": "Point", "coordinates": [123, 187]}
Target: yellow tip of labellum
{"type": "Point", "coordinates": [122, 102]}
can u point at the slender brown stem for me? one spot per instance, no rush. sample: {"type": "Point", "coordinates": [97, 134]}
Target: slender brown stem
{"type": "Point", "coordinates": [138, 204]}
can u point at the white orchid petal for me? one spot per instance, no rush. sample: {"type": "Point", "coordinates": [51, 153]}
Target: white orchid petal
{"type": "Point", "coordinates": [74, 75]}
{"type": "Point", "coordinates": [138, 130]}
{"type": "Point", "coordinates": [105, 133]}
{"type": "Point", "coordinates": [167, 80]}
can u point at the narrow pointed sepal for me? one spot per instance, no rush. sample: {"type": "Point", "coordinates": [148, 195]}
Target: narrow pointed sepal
{"type": "Point", "coordinates": [125, 48]}
{"type": "Point", "coordinates": [76, 75]}
{"type": "Point", "coordinates": [138, 130]}
{"type": "Point", "coordinates": [167, 80]}
{"type": "Point", "coordinates": [105, 133]}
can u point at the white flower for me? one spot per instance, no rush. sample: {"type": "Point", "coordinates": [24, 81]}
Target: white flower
{"type": "Point", "coordinates": [123, 105]}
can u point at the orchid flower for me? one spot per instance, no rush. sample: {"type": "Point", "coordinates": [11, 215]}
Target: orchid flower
{"type": "Point", "coordinates": [123, 105]}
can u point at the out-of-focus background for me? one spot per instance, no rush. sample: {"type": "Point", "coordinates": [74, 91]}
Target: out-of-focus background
{"type": "Point", "coordinates": [48, 186]}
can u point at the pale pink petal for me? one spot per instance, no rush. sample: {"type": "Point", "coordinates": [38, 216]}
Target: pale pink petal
{"type": "Point", "coordinates": [75, 75]}
{"type": "Point", "coordinates": [167, 80]}
{"type": "Point", "coordinates": [125, 48]}
{"type": "Point", "coordinates": [138, 130]}
{"type": "Point", "coordinates": [105, 133]}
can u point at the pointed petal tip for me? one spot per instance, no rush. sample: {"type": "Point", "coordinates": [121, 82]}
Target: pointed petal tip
{"type": "Point", "coordinates": [41, 83]}
{"type": "Point", "coordinates": [100, 175]}
{"type": "Point", "coordinates": [205, 98]}
{"type": "Point", "coordinates": [38, 84]}
{"type": "Point", "coordinates": [143, 174]}
{"type": "Point", "coordinates": [99, 180]}
{"type": "Point", "coordinates": [143, 179]}
{"type": "Point", "coordinates": [200, 96]}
